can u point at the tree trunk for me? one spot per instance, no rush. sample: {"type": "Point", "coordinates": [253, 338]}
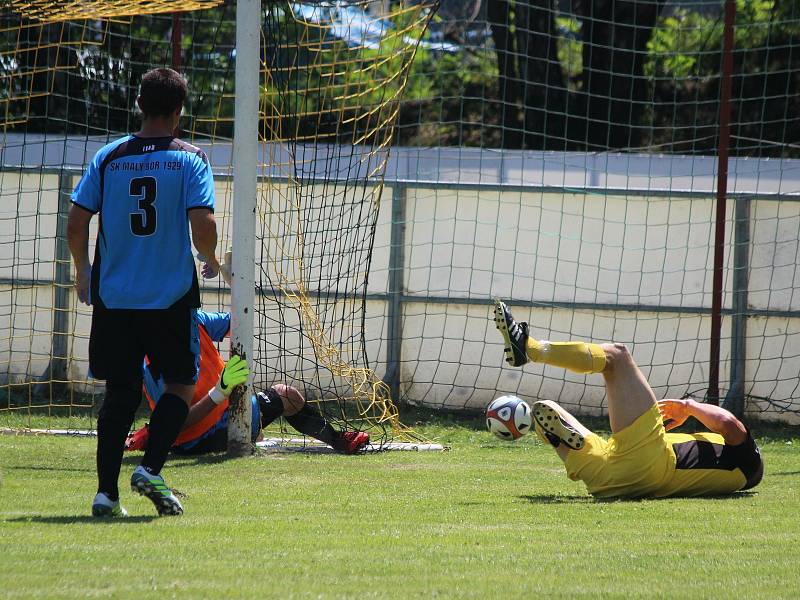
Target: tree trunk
{"type": "Point", "coordinates": [497, 16]}
{"type": "Point", "coordinates": [615, 35]}
{"type": "Point", "coordinates": [544, 93]}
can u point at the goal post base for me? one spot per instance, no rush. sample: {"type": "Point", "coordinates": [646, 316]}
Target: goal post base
{"type": "Point", "coordinates": [267, 445]}
{"type": "Point", "coordinates": [56, 432]}
{"type": "Point", "coordinates": [312, 446]}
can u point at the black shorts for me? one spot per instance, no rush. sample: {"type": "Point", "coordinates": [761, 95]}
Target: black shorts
{"type": "Point", "coordinates": [121, 338]}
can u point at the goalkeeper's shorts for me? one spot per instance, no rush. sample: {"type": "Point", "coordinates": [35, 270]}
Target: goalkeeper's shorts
{"type": "Point", "coordinates": [632, 463]}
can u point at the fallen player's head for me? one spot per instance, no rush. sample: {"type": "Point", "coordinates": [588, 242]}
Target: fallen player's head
{"type": "Point", "coordinates": [293, 400]}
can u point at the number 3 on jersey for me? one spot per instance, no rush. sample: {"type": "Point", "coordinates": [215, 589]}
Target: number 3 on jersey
{"type": "Point", "coordinates": [144, 222]}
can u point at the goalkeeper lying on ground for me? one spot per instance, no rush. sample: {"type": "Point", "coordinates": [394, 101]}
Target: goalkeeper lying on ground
{"type": "Point", "coordinates": [640, 458]}
{"type": "Point", "coordinates": [206, 426]}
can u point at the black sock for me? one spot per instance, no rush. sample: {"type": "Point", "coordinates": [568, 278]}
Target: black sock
{"type": "Point", "coordinates": [309, 421]}
{"type": "Point", "coordinates": [270, 405]}
{"type": "Point", "coordinates": [166, 423]}
{"type": "Point", "coordinates": [114, 421]}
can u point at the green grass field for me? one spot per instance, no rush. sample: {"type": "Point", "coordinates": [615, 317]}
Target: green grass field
{"type": "Point", "coordinates": [486, 519]}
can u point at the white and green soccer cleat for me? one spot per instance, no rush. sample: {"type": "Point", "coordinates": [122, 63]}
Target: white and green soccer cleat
{"type": "Point", "coordinates": [103, 506]}
{"type": "Point", "coordinates": [156, 489]}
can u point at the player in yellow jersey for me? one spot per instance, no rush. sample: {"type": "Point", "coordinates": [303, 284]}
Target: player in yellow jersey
{"type": "Point", "coordinates": [640, 459]}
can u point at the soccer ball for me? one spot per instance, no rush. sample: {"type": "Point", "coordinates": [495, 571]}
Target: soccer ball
{"type": "Point", "coordinates": [508, 417]}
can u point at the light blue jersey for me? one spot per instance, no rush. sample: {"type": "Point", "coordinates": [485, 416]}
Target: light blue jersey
{"type": "Point", "coordinates": [143, 189]}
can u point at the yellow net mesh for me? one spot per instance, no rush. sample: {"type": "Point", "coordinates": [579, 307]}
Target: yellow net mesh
{"type": "Point", "coordinates": [49, 11]}
{"type": "Point", "coordinates": [329, 105]}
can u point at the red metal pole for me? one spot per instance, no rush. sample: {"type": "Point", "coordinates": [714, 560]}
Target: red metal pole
{"type": "Point", "coordinates": [722, 191]}
{"type": "Point", "coordinates": [177, 38]}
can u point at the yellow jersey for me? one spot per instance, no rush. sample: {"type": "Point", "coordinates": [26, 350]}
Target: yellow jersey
{"type": "Point", "coordinates": [643, 460]}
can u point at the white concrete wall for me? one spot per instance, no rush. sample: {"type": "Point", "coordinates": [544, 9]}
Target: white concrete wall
{"type": "Point", "coordinates": [606, 251]}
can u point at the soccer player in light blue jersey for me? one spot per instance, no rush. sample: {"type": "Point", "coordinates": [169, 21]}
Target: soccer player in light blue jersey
{"type": "Point", "coordinates": [148, 189]}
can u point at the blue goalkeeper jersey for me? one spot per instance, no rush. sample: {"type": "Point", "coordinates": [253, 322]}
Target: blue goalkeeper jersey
{"type": "Point", "coordinates": [143, 189]}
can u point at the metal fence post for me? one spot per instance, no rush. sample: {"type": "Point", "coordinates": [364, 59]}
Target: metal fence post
{"type": "Point", "coordinates": [396, 275]}
{"type": "Point", "coordinates": [63, 291]}
{"type": "Point", "coordinates": [55, 376]}
{"type": "Point", "coordinates": [734, 400]}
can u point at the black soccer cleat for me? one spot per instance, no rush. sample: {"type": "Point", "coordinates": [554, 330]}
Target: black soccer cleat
{"type": "Point", "coordinates": [556, 430]}
{"type": "Point", "coordinates": [546, 436]}
{"type": "Point", "coordinates": [515, 335]}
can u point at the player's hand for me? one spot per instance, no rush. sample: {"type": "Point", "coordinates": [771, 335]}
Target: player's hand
{"type": "Point", "coordinates": [235, 373]}
{"type": "Point", "coordinates": [225, 267]}
{"type": "Point", "coordinates": [210, 266]}
{"type": "Point", "coordinates": [675, 411]}
{"type": "Point", "coordinates": [83, 278]}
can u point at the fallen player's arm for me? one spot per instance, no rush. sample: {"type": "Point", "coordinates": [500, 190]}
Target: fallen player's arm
{"type": "Point", "coordinates": [235, 373]}
{"type": "Point", "coordinates": [198, 411]}
{"type": "Point", "coordinates": [716, 419]}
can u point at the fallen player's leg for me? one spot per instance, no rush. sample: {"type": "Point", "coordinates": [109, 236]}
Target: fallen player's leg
{"type": "Point", "coordinates": [635, 460]}
{"type": "Point", "coordinates": [557, 426]}
{"type": "Point", "coordinates": [286, 401]}
{"type": "Point", "coordinates": [579, 357]}
{"type": "Point", "coordinates": [629, 394]}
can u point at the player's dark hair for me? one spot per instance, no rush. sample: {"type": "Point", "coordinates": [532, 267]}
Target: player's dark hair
{"type": "Point", "coordinates": [163, 92]}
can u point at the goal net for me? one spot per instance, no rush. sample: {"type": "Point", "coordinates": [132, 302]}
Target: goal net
{"type": "Point", "coordinates": [331, 77]}
{"type": "Point", "coordinates": [564, 157]}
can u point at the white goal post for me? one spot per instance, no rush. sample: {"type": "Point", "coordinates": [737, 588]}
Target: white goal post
{"type": "Point", "coordinates": [245, 159]}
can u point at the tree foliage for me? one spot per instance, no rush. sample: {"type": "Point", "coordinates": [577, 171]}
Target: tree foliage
{"type": "Point", "coordinates": [684, 65]}
{"type": "Point", "coordinates": [611, 74]}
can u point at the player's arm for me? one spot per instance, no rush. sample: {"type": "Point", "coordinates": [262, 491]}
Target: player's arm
{"type": "Point", "coordinates": [198, 411]}
{"type": "Point", "coordinates": [715, 418]}
{"type": "Point", "coordinates": [78, 241]}
{"type": "Point", "coordinates": [204, 235]}
{"type": "Point", "coordinates": [234, 373]}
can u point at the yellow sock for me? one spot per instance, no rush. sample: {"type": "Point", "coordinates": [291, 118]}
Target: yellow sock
{"type": "Point", "coordinates": [579, 357]}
